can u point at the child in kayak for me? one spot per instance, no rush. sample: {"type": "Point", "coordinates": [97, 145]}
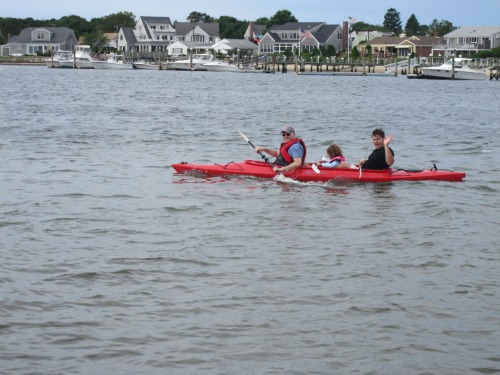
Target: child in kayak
{"type": "Point", "coordinates": [336, 159]}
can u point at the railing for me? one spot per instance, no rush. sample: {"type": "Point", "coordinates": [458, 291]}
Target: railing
{"type": "Point", "coordinates": [402, 64]}
{"type": "Point", "coordinates": [461, 47]}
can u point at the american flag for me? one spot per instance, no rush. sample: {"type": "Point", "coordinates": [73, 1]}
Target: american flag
{"type": "Point", "coordinates": [352, 20]}
{"type": "Point", "coordinates": [306, 34]}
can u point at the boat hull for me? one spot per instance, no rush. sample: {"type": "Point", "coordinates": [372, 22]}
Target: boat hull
{"type": "Point", "coordinates": [252, 168]}
{"type": "Point", "coordinates": [111, 65]}
{"type": "Point", "coordinates": [432, 73]}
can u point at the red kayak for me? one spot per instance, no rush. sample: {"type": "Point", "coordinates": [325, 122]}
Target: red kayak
{"type": "Point", "coordinates": [253, 168]}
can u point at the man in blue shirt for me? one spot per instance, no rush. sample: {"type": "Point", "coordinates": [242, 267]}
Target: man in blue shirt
{"type": "Point", "coordinates": [291, 154]}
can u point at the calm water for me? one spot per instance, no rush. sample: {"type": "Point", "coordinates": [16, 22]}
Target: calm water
{"type": "Point", "coordinates": [112, 264]}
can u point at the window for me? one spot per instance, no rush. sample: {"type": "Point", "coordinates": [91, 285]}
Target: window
{"type": "Point", "coordinates": [162, 27]}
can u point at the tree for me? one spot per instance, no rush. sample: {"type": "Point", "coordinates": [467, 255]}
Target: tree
{"type": "Point", "coordinates": [392, 21]}
{"type": "Point", "coordinates": [440, 28]}
{"type": "Point", "coordinates": [230, 27]}
{"type": "Point", "coordinates": [97, 41]}
{"type": "Point", "coordinates": [262, 21]}
{"type": "Point", "coordinates": [113, 22]}
{"type": "Point", "coordinates": [412, 26]}
{"type": "Point", "coordinates": [78, 24]}
{"type": "Point", "coordinates": [198, 17]}
{"type": "Point", "coordinates": [281, 17]}
{"type": "Point", "coordinates": [355, 53]}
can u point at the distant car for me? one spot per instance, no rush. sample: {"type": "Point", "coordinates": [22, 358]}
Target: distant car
{"type": "Point", "coordinates": [16, 54]}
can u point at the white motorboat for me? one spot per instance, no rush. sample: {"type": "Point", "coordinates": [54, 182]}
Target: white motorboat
{"type": "Point", "coordinates": [224, 66]}
{"type": "Point", "coordinates": [59, 59]}
{"type": "Point", "coordinates": [221, 66]}
{"type": "Point", "coordinates": [113, 61]}
{"type": "Point", "coordinates": [457, 69]}
{"type": "Point", "coordinates": [146, 65]}
{"type": "Point", "coordinates": [196, 63]}
{"type": "Point", "coordinates": [81, 59]}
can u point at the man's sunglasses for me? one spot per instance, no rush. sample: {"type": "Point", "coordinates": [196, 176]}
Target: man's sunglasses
{"type": "Point", "coordinates": [285, 133]}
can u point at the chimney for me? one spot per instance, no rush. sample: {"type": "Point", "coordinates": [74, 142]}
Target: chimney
{"type": "Point", "coordinates": [345, 36]}
{"type": "Point", "coordinates": [251, 37]}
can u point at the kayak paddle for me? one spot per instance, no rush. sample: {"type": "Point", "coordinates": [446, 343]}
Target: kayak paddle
{"type": "Point", "coordinates": [266, 159]}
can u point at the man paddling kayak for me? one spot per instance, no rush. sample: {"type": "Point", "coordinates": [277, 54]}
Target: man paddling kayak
{"type": "Point", "coordinates": [291, 154]}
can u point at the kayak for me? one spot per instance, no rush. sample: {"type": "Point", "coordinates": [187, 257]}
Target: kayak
{"type": "Point", "coordinates": [260, 169]}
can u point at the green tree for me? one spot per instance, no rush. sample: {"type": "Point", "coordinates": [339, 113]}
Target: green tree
{"type": "Point", "coordinates": [355, 53]}
{"type": "Point", "coordinates": [281, 17]}
{"type": "Point", "coordinates": [412, 26]}
{"type": "Point", "coordinates": [440, 28]}
{"type": "Point", "coordinates": [198, 17]}
{"type": "Point", "coordinates": [230, 27]}
{"type": "Point", "coordinates": [262, 21]}
{"type": "Point", "coordinates": [392, 21]}
{"type": "Point", "coordinates": [78, 24]}
{"type": "Point", "coordinates": [113, 22]}
{"type": "Point", "coordinates": [97, 41]}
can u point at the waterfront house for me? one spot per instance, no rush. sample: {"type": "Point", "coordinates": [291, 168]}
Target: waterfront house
{"type": "Point", "coordinates": [401, 46]}
{"type": "Point", "coordinates": [181, 49]}
{"type": "Point", "coordinates": [309, 35]}
{"type": "Point", "coordinates": [150, 34]}
{"type": "Point", "coordinates": [34, 40]}
{"type": "Point", "coordinates": [468, 40]}
{"type": "Point", "coordinates": [204, 33]}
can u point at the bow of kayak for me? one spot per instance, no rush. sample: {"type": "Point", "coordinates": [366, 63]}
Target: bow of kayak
{"type": "Point", "coordinates": [261, 169]}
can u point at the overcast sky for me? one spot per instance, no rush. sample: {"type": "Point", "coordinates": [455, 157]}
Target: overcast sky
{"type": "Point", "coordinates": [459, 12]}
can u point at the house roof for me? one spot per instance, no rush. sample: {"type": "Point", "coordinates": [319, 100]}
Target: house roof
{"type": "Point", "coordinates": [235, 43]}
{"type": "Point", "coordinates": [324, 32]}
{"type": "Point", "coordinates": [293, 26]}
{"type": "Point", "coordinates": [414, 40]}
{"type": "Point", "coordinates": [473, 32]}
{"type": "Point", "coordinates": [128, 34]}
{"type": "Point", "coordinates": [156, 20]}
{"type": "Point", "coordinates": [320, 30]}
{"type": "Point", "coordinates": [58, 34]}
{"type": "Point", "coordinates": [184, 28]}
{"type": "Point", "coordinates": [258, 29]}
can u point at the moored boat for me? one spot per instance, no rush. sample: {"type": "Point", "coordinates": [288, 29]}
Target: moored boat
{"type": "Point", "coordinates": [81, 58]}
{"type": "Point", "coordinates": [59, 58]}
{"type": "Point", "coordinates": [260, 169]}
{"type": "Point", "coordinates": [145, 65]}
{"type": "Point", "coordinates": [194, 63]}
{"type": "Point", "coordinates": [113, 61]}
{"type": "Point", "coordinates": [456, 68]}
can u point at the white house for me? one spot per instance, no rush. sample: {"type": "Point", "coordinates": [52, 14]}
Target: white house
{"type": "Point", "coordinates": [467, 40]}
{"type": "Point", "coordinates": [309, 35]}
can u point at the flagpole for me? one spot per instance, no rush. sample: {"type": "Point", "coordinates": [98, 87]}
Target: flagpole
{"type": "Point", "coordinates": [348, 40]}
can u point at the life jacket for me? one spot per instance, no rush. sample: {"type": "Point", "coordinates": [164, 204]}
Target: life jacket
{"type": "Point", "coordinates": [284, 157]}
{"type": "Point", "coordinates": [339, 158]}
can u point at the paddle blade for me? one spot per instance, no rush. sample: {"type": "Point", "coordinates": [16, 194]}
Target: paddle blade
{"type": "Point", "coordinates": [244, 136]}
